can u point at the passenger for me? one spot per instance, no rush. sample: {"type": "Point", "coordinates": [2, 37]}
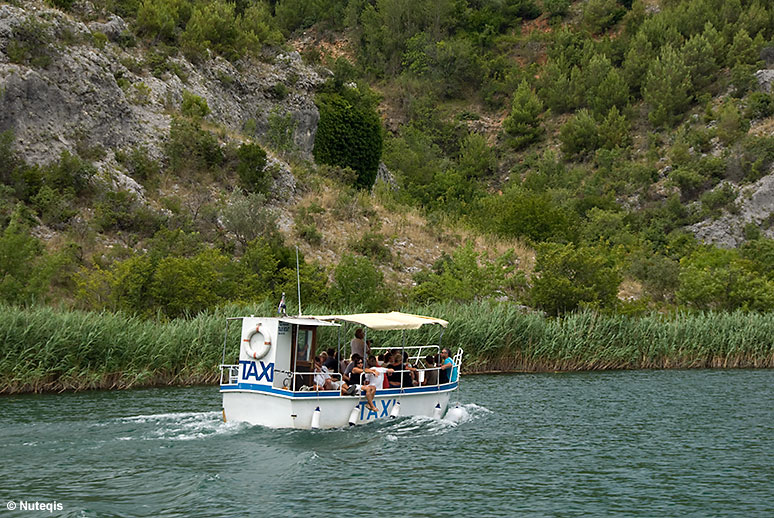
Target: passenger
{"type": "Point", "coordinates": [431, 373]}
{"type": "Point", "coordinates": [406, 376]}
{"type": "Point", "coordinates": [448, 372]}
{"type": "Point", "coordinates": [354, 386]}
{"type": "Point", "coordinates": [395, 365]}
{"type": "Point", "coordinates": [378, 379]}
{"type": "Point", "coordinates": [357, 345]}
{"type": "Point", "coordinates": [322, 377]}
{"type": "Point", "coordinates": [332, 363]}
{"type": "Point", "coordinates": [351, 365]}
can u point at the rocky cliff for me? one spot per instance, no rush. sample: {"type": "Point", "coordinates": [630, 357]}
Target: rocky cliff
{"type": "Point", "coordinates": [70, 85]}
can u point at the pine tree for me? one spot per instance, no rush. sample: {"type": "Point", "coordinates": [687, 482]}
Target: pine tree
{"type": "Point", "coordinates": [667, 88]}
{"type": "Point", "coordinates": [522, 126]}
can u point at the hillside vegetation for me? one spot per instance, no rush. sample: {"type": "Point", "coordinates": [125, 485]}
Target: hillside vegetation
{"type": "Point", "coordinates": [555, 154]}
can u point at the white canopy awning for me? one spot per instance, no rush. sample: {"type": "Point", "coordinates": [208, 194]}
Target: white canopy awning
{"type": "Point", "coordinates": [307, 321]}
{"type": "Point", "coordinates": [386, 321]}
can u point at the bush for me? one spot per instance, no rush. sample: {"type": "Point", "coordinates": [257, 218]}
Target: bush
{"type": "Point", "coordinates": [518, 213]}
{"type": "Point", "coordinates": [714, 278]}
{"type": "Point", "coordinates": [25, 268]}
{"type": "Point", "coordinates": [248, 217]}
{"type": "Point", "coordinates": [567, 278]}
{"type": "Point", "coordinates": [349, 134]}
{"type": "Point", "coordinates": [371, 245]}
{"type": "Point", "coordinates": [466, 276]}
{"type": "Point", "coordinates": [759, 106]}
{"type": "Point", "coordinates": [251, 168]}
{"type": "Point", "coordinates": [194, 106]}
{"type": "Point", "coordinates": [522, 126]}
{"type": "Point", "coordinates": [579, 135]}
{"type": "Point", "coordinates": [192, 148]}
{"type": "Point", "coordinates": [358, 284]}
{"type": "Point", "coordinates": [667, 88]}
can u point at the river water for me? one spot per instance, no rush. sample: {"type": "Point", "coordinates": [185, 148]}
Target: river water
{"type": "Point", "coordinates": [638, 443]}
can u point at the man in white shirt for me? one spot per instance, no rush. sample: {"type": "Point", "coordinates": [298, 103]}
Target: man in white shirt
{"type": "Point", "coordinates": [377, 378]}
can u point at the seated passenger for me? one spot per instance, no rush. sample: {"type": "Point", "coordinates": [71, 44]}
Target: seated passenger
{"type": "Point", "coordinates": [431, 373]}
{"type": "Point", "coordinates": [351, 365]}
{"type": "Point", "coordinates": [406, 376]}
{"type": "Point", "coordinates": [322, 377]}
{"type": "Point", "coordinates": [332, 363]}
{"type": "Point", "coordinates": [377, 380]}
{"type": "Point", "coordinates": [448, 372]}
{"type": "Point", "coordinates": [354, 386]}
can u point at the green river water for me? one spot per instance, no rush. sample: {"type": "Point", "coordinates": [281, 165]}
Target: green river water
{"type": "Point", "coordinates": [638, 443]}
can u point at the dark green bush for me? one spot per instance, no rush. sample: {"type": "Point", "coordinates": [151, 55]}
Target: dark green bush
{"type": "Point", "coordinates": [191, 148]}
{"type": "Point", "coordinates": [349, 134]}
{"type": "Point", "coordinates": [371, 244]}
{"type": "Point", "coordinates": [251, 168]}
{"type": "Point", "coordinates": [522, 126]}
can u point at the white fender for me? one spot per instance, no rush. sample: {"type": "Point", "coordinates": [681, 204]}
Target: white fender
{"type": "Point", "coordinates": [437, 411]}
{"type": "Point", "coordinates": [353, 416]}
{"type": "Point", "coordinates": [257, 343]}
{"type": "Point", "coordinates": [316, 418]}
{"type": "Point", "coordinates": [395, 410]}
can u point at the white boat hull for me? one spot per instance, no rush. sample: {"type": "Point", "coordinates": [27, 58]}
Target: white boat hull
{"type": "Point", "coordinates": [285, 409]}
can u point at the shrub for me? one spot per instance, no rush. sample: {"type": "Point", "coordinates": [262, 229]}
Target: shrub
{"type": "Point", "coordinates": [522, 126]}
{"type": "Point", "coordinates": [518, 213]}
{"type": "Point", "coordinates": [568, 277]}
{"type": "Point", "coordinates": [579, 135]}
{"type": "Point", "coordinates": [248, 217]}
{"type": "Point", "coordinates": [465, 276]}
{"type": "Point", "coordinates": [25, 268]}
{"type": "Point", "coordinates": [371, 244]}
{"type": "Point", "coordinates": [349, 134]}
{"type": "Point", "coordinates": [194, 106]}
{"type": "Point", "coordinates": [667, 88]}
{"type": "Point", "coordinates": [190, 147]}
{"type": "Point", "coordinates": [357, 283]}
{"type": "Point", "coordinates": [282, 127]}
{"type": "Point", "coordinates": [251, 168]}
{"type": "Point", "coordinates": [759, 105]}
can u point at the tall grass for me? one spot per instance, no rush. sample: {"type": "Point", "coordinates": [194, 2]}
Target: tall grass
{"type": "Point", "coordinates": [44, 349]}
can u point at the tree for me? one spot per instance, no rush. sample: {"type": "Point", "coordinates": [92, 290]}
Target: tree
{"type": "Point", "coordinates": [567, 277]}
{"type": "Point", "coordinates": [579, 135]}
{"type": "Point", "coordinates": [349, 134]}
{"type": "Point", "coordinates": [719, 279]}
{"type": "Point", "coordinates": [357, 283]}
{"type": "Point", "coordinates": [701, 62]}
{"type": "Point", "coordinates": [667, 88]}
{"type": "Point", "coordinates": [25, 269]}
{"type": "Point", "coordinates": [522, 126]}
{"type": "Point", "coordinates": [251, 168]}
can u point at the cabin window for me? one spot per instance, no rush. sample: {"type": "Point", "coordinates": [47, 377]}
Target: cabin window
{"type": "Point", "coordinates": [304, 344]}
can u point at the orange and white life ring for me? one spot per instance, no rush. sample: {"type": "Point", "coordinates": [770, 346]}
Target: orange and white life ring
{"type": "Point", "coordinates": [257, 343]}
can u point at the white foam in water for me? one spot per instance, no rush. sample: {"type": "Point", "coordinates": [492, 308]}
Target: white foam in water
{"type": "Point", "coordinates": [183, 426]}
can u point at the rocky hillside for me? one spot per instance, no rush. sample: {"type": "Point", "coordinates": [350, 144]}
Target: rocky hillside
{"type": "Point", "coordinates": [96, 92]}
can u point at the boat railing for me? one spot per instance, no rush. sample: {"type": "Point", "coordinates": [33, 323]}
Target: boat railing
{"type": "Point", "coordinates": [230, 373]}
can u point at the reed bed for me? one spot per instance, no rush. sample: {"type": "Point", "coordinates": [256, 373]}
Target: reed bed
{"type": "Point", "coordinates": [48, 349]}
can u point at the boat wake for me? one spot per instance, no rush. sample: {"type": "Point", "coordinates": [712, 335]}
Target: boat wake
{"type": "Point", "coordinates": [414, 426]}
{"type": "Point", "coordinates": [181, 426]}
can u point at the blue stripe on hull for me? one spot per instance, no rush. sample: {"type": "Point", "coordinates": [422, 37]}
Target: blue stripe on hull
{"type": "Point", "coordinates": [253, 387]}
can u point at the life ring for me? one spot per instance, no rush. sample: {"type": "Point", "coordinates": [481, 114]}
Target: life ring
{"type": "Point", "coordinates": [257, 343]}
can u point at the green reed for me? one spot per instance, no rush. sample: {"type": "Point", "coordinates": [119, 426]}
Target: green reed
{"type": "Point", "coordinates": [44, 348]}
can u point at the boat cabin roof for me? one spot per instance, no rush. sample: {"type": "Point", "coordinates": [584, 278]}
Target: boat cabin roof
{"type": "Point", "coordinates": [385, 321]}
{"type": "Point", "coordinates": [307, 321]}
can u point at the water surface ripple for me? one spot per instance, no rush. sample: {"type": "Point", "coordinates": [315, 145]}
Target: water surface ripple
{"type": "Point", "coordinates": [638, 443]}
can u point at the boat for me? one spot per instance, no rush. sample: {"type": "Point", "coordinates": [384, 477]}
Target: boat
{"type": "Point", "coordinates": [273, 383]}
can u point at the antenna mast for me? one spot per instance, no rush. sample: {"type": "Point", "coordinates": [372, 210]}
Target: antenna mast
{"type": "Point", "coordinates": [298, 282]}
